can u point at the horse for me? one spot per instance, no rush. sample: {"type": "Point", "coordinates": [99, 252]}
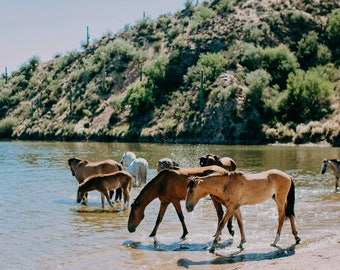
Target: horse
{"type": "Point", "coordinates": [237, 188]}
{"type": "Point", "coordinates": [137, 167]}
{"type": "Point", "coordinates": [225, 162]}
{"type": "Point", "coordinates": [105, 183]}
{"type": "Point", "coordinates": [169, 186]}
{"type": "Point", "coordinates": [335, 166]}
{"type": "Point", "coordinates": [82, 169]}
{"type": "Point", "coordinates": [166, 163]}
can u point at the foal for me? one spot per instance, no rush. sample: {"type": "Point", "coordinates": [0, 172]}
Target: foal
{"type": "Point", "coordinates": [105, 183]}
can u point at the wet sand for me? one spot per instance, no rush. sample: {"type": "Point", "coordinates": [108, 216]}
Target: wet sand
{"type": "Point", "coordinates": [321, 255]}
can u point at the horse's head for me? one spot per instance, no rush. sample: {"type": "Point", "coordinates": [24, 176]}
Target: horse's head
{"type": "Point", "coordinates": [209, 159]}
{"type": "Point", "coordinates": [127, 158]}
{"type": "Point", "coordinates": [136, 215]}
{"type": "Point", "coordinates": [324, 166]}
{"type": "Point", "coordinates": [192, 196]}
{"type": "Point", "coordinates": [73, 163]}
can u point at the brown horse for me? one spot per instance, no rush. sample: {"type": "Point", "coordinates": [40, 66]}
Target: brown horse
{"type": "Point", "coordinates": [82, 169]}
{"type": "Point", "coordinates": [166, 163]}
{"type": "Point", "coordinates": [236, 189]}
{"type": "Point", "coordinates": [225, 162]}
{"type": "Point", "coordinates": [106, 182]}
{"type": "Point", "coordinates": [169, 186]}
{"type": "Point", "coordinates": [335, 166]}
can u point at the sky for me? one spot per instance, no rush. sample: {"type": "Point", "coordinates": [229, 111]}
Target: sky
{"type": "Point", "coordinates": [45, 28]}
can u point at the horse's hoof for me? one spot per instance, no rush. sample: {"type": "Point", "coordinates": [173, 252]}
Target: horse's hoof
{"type": "Point", "coordinates": [298, 239]}
{"type": "Point", "coordinates": [212, 250]}
{"type": "Point", "coordinates": [232, 232]}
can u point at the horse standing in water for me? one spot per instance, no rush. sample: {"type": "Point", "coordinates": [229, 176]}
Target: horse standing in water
{"type": "Point", "coordinates": [225, 162]}
{"type": "Point", "coordinates": [105, 183]}
{"type": "Point", "coordinates": [137, 167]}
{"type": "Point", "coordinates": [335, 166]}
{"type": "Point", "coordinates": [82, 169]}
{"type": "Point", "coordinates": [166, 163]}
{"type": "Point", "coordinates": [169, 186]}
{"type": "Point", "coordinates": [236, 189]}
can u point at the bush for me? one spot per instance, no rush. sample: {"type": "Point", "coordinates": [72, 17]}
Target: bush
{"type": "Point", "coordinates": [6, 127]}
{"type": "Point", "coordinates": [140, 101]}
{"type": "Point", "coordinates": [307, 97]}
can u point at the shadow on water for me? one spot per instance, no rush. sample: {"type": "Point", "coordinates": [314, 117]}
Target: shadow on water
{"type": "Point", "coordinates": [239, 257]}
{"type": "Point", "coordinates": [176, 246]}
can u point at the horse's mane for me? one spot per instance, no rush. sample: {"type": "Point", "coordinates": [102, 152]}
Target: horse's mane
{"type": "Point", "coordinates": [335, 160]}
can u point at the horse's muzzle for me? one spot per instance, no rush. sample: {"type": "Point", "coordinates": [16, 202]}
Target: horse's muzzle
{"type": "Point", "coordinates": [131, 228]}
{"type": "Point", "coordinates": [190, 207]}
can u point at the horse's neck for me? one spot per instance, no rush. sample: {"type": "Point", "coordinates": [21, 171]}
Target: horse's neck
{"type": "Point", "coordinates": [211, 182]}
{"type": "Point", "coordinates": [148, 193]}
{"type": "Point", "coordinates": [335, 166]}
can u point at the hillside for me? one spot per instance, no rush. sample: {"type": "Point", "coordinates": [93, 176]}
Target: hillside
{"type": "Point", "coordinates": [222, 72]}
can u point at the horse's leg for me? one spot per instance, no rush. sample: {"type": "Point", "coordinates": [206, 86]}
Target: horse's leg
{"type": "Point", "coordinates": [336, 183]}
{"type": "Point", "coordinates": [111, 193]}
{"type": "Point", "coordinates": [118, 196]}
{"type": "Point", "coordinates": [281, 217]}
{"type": "Point", "coordinates": [220, 212]}
{"type": "Point", "coordinates": [238, 216]}
{"type": "Point", "coordinates": [220, 227]}
{"type": "Point", "coordinates": [161, 212]}
{"type": "Point", "coordinates": [106, 194]}
{"type": "Point", "coordinates": [294, 231]}
{"type": "Point", "coordinates": [126, 194]}
{"type": "Point", "coordinates": [181, 217]}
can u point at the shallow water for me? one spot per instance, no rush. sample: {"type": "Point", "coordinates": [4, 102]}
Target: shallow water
{"type": "Point", "coordinates": [42, 227]}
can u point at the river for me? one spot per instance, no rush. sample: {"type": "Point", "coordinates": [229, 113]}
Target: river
{"type": "Point", "coordinates": [42, 226]}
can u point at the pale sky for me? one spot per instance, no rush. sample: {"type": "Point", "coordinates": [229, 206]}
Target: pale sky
{"type": "Point", "coordinates": [45, 28]}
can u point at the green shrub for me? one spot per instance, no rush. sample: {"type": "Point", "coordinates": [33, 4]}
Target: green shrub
{"type": "Point", "coordinates": [6, 127]}
{"type": "Point", "coordinates": [140, 101]}
{"type": "Point", "coordinates": [333, 27]}
{"type": "Point", "coordinates": [307, 97]}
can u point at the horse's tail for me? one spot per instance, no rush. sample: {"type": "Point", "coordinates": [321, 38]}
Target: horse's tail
{"type": "Point", "coordinates": [290, 201]}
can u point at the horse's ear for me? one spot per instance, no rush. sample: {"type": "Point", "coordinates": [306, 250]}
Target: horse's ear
{"type": "Point", "coordinates": [216, 157]}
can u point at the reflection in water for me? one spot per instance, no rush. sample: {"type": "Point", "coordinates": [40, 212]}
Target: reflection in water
{"type": "Point", "coordinates": [42, 226]}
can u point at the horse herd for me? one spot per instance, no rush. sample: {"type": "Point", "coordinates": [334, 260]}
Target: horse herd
{"type": "Point", "coordinates": [217, 177]}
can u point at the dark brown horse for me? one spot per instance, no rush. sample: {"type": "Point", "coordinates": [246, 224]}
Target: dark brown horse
{"type": "Point", "coordinates": [237, 188]}
{"type": "Point", "coordinates": [169, 186]}
{"type": "Point", "coordinates": [82, 169]}
{"type": "Point", "coordinates": [225, 162]}
{"type": "Point", "coordinates": [105, 183]}
{"type": "Point", "coordinates": [166, 163]}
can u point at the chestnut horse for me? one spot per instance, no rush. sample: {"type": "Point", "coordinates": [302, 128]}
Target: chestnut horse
{"type": "Point", "coordinates": [166, 163]}
{"type": "Point", "coordinates": [225, 162]}
{"type": "Point", "coordinates": [335, 166]}
{"type": "Point", "coordinates": [82, 169]}
{"type": "Point", "coordinates": [169, 186]}
{"type": "Point", "coordinates": [236, 189]}
{"type": "Point", "coordinates": [105, 183]}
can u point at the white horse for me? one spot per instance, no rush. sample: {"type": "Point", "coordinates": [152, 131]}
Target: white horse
{"type": "Point", "coordinates": [335, 166]}
{"type": "Point", "coordinates": [137, 167]}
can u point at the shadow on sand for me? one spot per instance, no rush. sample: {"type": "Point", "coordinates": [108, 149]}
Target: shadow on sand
{"type": "Point", "coordinates": [239, 257]}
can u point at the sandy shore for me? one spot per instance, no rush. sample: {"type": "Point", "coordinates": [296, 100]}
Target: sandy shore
{"type": "Point", "coordinates": [322, 254]}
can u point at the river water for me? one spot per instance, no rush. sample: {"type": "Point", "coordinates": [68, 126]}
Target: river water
{"type": "Point", "coordinates": [42, 226]}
